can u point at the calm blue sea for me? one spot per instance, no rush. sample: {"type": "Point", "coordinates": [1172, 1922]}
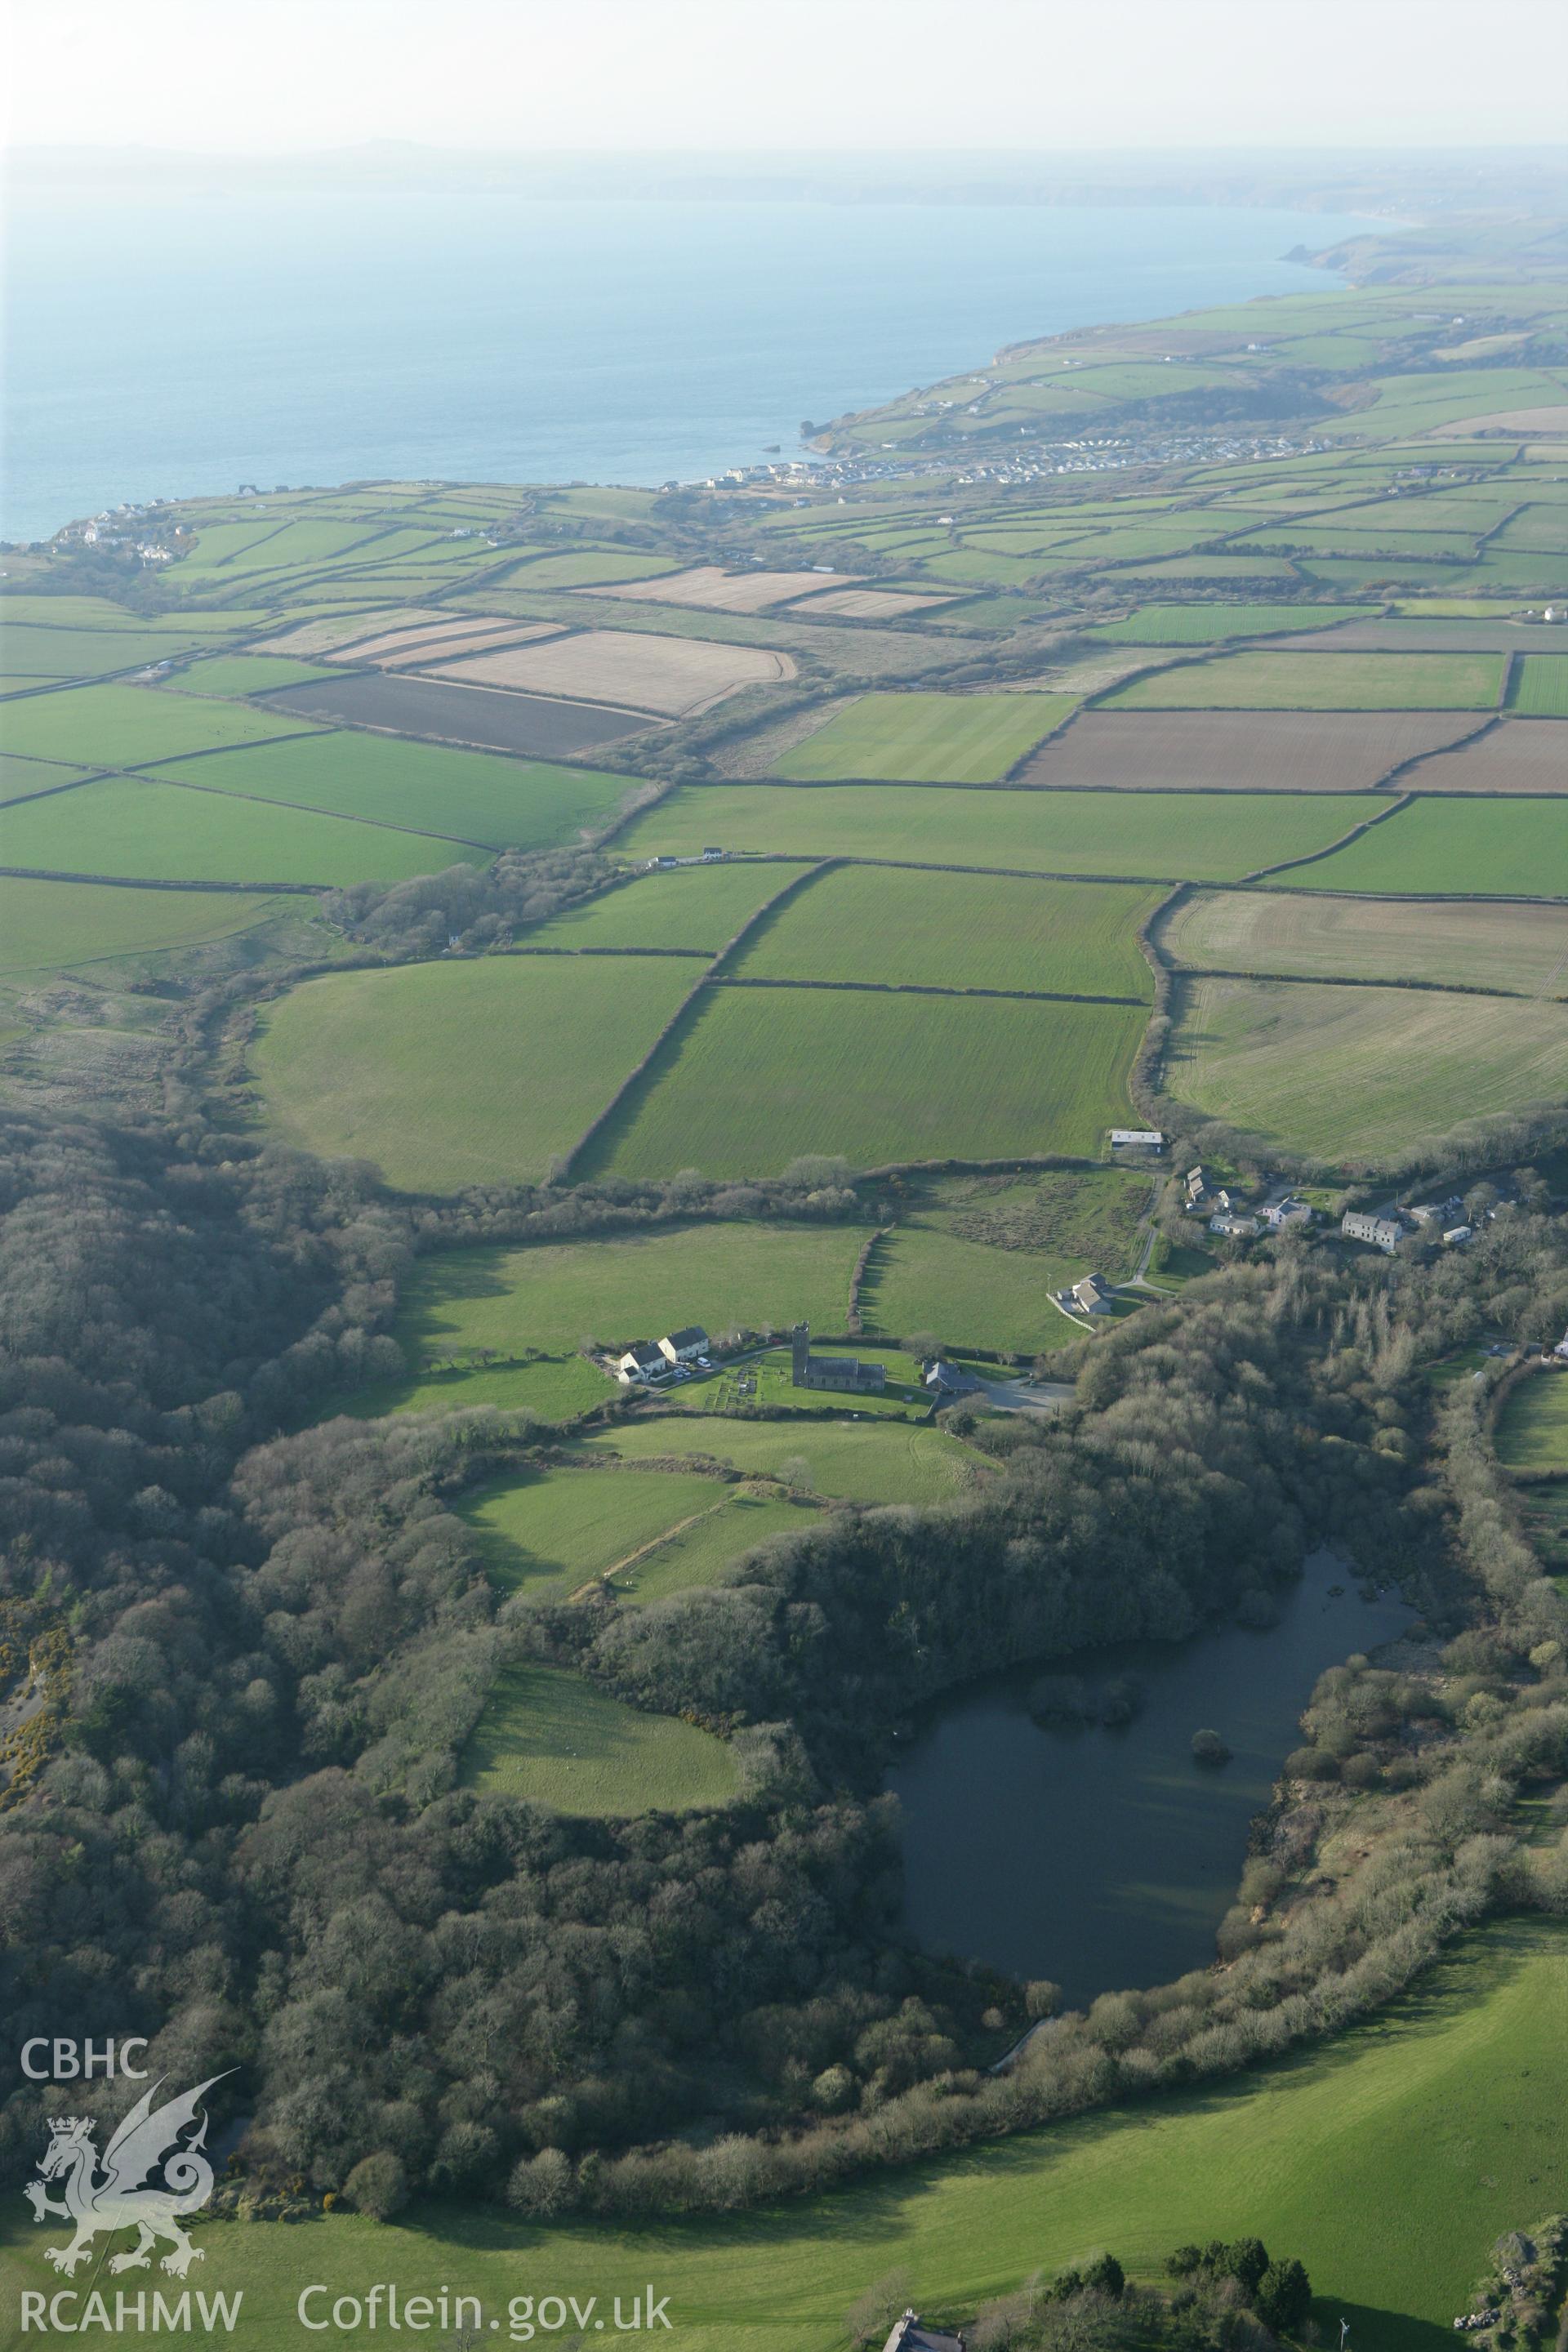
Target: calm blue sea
{"type": "Point", "coordinates": [155, 347]}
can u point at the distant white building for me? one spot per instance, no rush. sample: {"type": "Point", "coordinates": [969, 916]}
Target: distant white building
{"type": "Point", "coordinates": [642, 1361]}
{"type": "Point", "coordinates": [1282, 1214]}
{"type": "Point", "coordinates": [1456, 1235]}
{"type": "Point", "coordinates": [1382, 1232]}
{"type": "Point", "coordinates": [1231, 1228]}
{"type": "Point", "coordinates": [1138, 1139]}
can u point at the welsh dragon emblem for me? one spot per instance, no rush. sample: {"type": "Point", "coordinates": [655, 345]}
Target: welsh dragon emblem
{"type": "Point", "coordinates": [112, 2192]}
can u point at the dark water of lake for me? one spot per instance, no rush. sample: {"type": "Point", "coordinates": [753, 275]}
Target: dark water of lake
{"type": "Point", "coordinates": [1106, 1859]}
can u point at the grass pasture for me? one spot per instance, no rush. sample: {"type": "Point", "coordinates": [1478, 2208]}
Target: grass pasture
{"type": "Point", "coordinates": [1538, 688]}
{"type": "Point", "coordinates": [67, 926]}
{"type": "Point", "coordinates": [866, 1460]}
{"type": "Point", "coordinates": [1532, 1426]}
{"type": "Point", "coordinates": [926, 737]}
{"type": "Point", "coordinates": [453, 1074]}
{"type": "Point", "coordinates": [1515, 848]}
{"type": "Point", "coordinates": [1196, 837]}
{"type": "Point", "coordinates": [617, 1287]}
{"type": "Point", "coordinates": [232, 676]}
{"type": "Point", "coordinates": [1208, 624]}
{"type": "Point", "coordinates": [131, 726]}
{"type": "Point", "coordinates": [554, 1530]}
{"type": "Point", "coordinates": [897, 925]}
{"type": "Point", "coordinates": [701, 1553]}
{"type": "Point", "coordinates": [21, 779]}
{"type": "Point", "coordinates": [1236, 751]}
{"type": "Point", "coordinates": [144, 830]}
{"type": "Point", "coordinates": [1356, 1075]}
{"type": "Point", "coordinates": [551, 1388]}
{"type": "Point", "coordinates": [693, 908]}
{"type": "Point", "coordinates": [760, 1075]}
{"type": "Point", "coordinates": [1268, 680]}
{"type": "Point", "coordinates": [456, 796]}
{"type": "Point", "coordinates": [1510, 946]}
{"type": "Point", "coordinates": [1455, 2093]}
{"type": "Point", "coordinates": [550, 1738]}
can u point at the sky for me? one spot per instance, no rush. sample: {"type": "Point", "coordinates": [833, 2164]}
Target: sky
{"type": "Point", "coordinates": [1054, 76]}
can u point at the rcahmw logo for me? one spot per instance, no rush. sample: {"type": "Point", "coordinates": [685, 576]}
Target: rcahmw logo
{"type": "Point", "coordinates": [152, 2178]}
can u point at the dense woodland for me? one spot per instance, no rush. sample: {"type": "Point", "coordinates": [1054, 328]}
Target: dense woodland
{"type": "Point", "coordinates": [235, 1820]}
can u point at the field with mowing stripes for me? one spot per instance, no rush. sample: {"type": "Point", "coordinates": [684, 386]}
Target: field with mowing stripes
{"type": "Point", "coordinates": [1502, 946]}
{"type": "Point", "coordinates": [694, 907]}
{"type": "Point", "coordinates": [762, 1074]}
{"type": "Point", "coordinates": [553, 1739]}
{"type": "Point", "coordinates": [149, 831]}
{"type": "Point", "coordinates": [458, 1074]}
{"type": "Point", "coordinates": [897, 926]}
{"type": "Point", "coordinates": [1538, 688]}
{"type": "Point", "coordinates": [937, 739]}
{"type": "Point", "coordinates": [129, 726]}
{"type": "Point", "coordinates": [1514, 756]}
{"type": "Point", "coordinates": [1532, 1426]}
{"type": "Point", "coordinates": [1517, 848]}
{"type": "Point", "coordinates": [1199, 836]}
{"type": "Point", "coordinates": [1360, 1074]}
{"type": "Point", "coordinates": [1266, 681]}
{"type": "Point", "coordinates": [619, 1288]}
{"type": "Point", "coordinates": [61, 925]}
{"type": "Point", "coordinates": [428, 788]}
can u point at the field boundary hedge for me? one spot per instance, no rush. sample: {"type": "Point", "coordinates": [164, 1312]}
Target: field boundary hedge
{"type": "Point", "coordinates": [1380, 816]}
{"type": "Point", "coordinates": [927, 988]}
{"type": "Point", "coordinates": [684, 1010]}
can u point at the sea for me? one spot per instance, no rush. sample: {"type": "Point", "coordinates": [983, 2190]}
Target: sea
{"type": "Point", "coordinates": [156, 346]}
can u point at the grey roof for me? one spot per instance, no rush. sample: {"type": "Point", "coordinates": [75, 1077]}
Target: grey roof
{"type": "Point", "coordinates": [691, 1336]}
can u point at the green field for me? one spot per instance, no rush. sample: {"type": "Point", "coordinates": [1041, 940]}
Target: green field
{"type": "Point", "coordinates": [925, 1279]}
{"type": "Point", "coordinates": [617, 1287]}
{"type": "Point", "coordinates": [1538, 688]}
{"type": "Point", "coordinates": [464, 1073]}
{"type": "Point", "coordinates": [146, 831]}
{"type": "Point", "coordinates": [20, 778]}
{"type": "Point", "coordinates": [1207, 624]}
{"type": "Point", "coordinates": [470, 796]}
{"type": "Point", "coordinates": [556, 1528]}
{"type": "Point", "coordinates": [555, 1388]}
{"type": "Point", "coordinates": [701, 1553]}
{"type": "Point", "coordinates": [1495, 944]}
{"type": "Point", "coordinates": [1360, 1074]}
{"type": "Point", "coordinates": [553, 1739]}
{"type": "Point", "coordinates": [862, 1461]}
{"type": "Point", "coordinates": [30, 652]}
{"type": "Point", "coordinates": [1193, 837]}
{"type": "Point", "coordinates": [694, 907]}
{"type": "Point", "coordinates": [1455, 2094]}
{"type": "Point", "coordinates": [760, 1075]}
{"type": "Point", "coordinates": [932, 739]}
{"type": "Point", "coordinates": [129, 726]}
{"type": "Point", "coordinates": [56, 926]}
{"type": "Point", "coordinates": [232, 674]}
{"type": "Point", "coordinates": [1267, 681]}
{"type": "Point", "coordinates": [1533, 1427]}
{"type": "Point", "coordinates": [1514, 847]}
{"type": "Point", "coordinates": [896, 926]}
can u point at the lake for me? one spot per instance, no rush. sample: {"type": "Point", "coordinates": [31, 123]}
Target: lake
{"type": "Point", "coordinates": [158, 345]}
{"type": "Point", "coordinates": [1106, 1859]}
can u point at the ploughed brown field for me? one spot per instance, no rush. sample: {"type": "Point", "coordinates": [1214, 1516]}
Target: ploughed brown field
{"type": "Point", "coordinates": [866, 604]}
{"type": "Point", "coordinates": [1516, 755]}
{"type": "Point", "coordinates": [532, 725]}
{"type": "Point", "coordinates": [709, 586]}
{"type": "Point", "coordinates": [1503, 420]}
{"type": "Point", "coordinates": [1239, 751]}
{"type": "Point", "coordinates": [672, 677]}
